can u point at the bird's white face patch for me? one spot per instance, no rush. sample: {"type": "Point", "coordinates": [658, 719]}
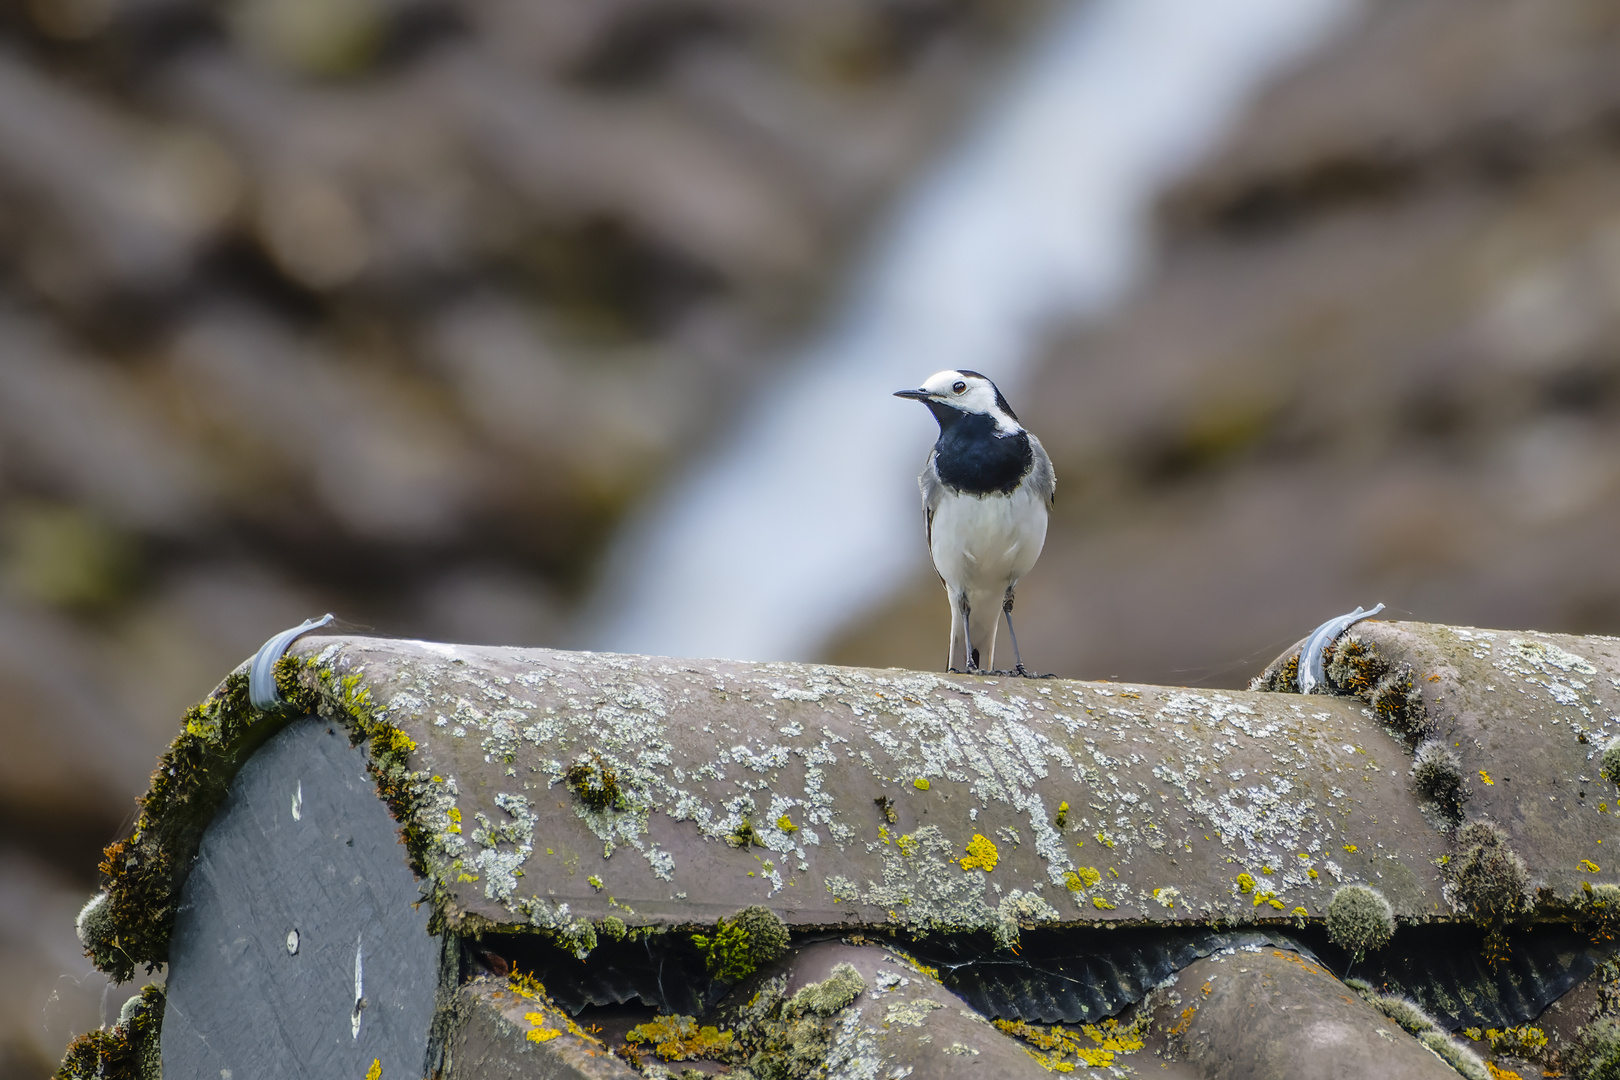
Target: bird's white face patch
{"type": "Point", "coordinates": [977, 395]}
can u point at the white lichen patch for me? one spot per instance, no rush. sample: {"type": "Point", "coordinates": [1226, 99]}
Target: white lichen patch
{"type": "Point", "coordinates": [854, 1054]}
{"type": "Point", "coordinates": [1016, 908]}
{"type": "Point", "coordinates": [504, 846]}
{"type": "Point", "coordinates": [913, 1013]}
{"type": "Point", "coordinates": [865, 788]}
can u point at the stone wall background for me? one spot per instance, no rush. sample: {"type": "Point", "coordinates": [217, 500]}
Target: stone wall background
{"type": "Point", "coordinates": [394, 307]}
{"type": "Point", "coordinates": [1378, 360]}
{"type": "Point", "coordinates": [384, 307]}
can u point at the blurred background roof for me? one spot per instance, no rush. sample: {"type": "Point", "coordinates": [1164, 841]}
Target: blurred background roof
{"type": "Point", "coordinates": [434, 313]}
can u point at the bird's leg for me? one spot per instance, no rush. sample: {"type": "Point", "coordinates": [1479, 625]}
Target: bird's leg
{"type": "Point", "coordinates": [969, 653]}
{"type": "Point", "coordinates": [1006, 609]}
{"type": "Point", "coordinates": [958, 603]}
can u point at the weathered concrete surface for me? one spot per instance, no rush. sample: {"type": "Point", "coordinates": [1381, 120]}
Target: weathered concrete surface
{"type": "Point", "coordinates": [1183, 805]}
{"type": "Point", "coordinates": [1527, 713]}
{"type": "Point", "coordinates": [505, 1032]}
{"type": "Point", "coordinates": [1275, 1015]}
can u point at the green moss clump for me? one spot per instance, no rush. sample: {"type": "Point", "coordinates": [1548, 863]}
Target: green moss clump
{"type": "Point", "coordinates": [741, 944]}
{"type": "Point", "coordinates": [1523, 1042]}
{"type": "Point", "coordinates": [1281, 678]}
{"type": "Point", "coordinates": [129, 1050]}
{"type": "Point", "coordinates": [1360, 920]}
{"type": "Point", "coordinates": [835, 992]}
{"type": "Point", "coordinates": [1485, 878]}
{"type": "Point", "coordinates": [1404, 1011]}
{"type": "Point", "coordinates": [1599, 907]}
{"type": "Point", "coordinates": [744, 836]}
{"type": "Point", "coordinates": [1354, 667]}
{"type": "Point", "coordinates": [143, 872]}
{"type": "Point", "coordinates": [1596, 1055]}
{"type": "Point", "coordinates": [1399, 703]}
{"type": "Point", "coordinates": [1459, 1057]}
{"type": "Point", "coordinates": [789, 1038]}
{"type": "Point", "coordinates": [97, 931]}
{"type": "Point", "coordinates": [1437, 775]}
{"type": "Point", "coordinates": [577, 937]}
{"type": "Point", "coordinates": [1609, 762]}
{"type": "Point", "coordinates": [594, 782]}
{"type": "Point", "coordinates": [681, 1038]}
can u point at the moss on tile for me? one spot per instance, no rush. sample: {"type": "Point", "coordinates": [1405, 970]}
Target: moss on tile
{"type": "Point", "coordinates": [143, 872]}
{"type": "Point", "coordinates": [127, 1050]}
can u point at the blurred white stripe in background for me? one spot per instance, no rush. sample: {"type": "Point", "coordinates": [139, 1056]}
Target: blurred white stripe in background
{"type": "Point", "coordinates": [805, 513]}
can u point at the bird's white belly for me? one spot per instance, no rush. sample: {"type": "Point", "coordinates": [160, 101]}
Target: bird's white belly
{"type": "Point", "coordinates": [987, 542]}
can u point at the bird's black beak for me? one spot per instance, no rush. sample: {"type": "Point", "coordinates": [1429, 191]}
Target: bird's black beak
{"type": "Point", "coordinates": [919, 395]}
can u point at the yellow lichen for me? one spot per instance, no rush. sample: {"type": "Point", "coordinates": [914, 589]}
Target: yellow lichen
{"type": "Point", "coordinates": [680, 1038]}
{"type": "Point", "coordinates": [1521, 1042]}
{"type": "Point", "coordinates": [981, 854]}
{"type": "Point", "coordinates": [1350, 849]}
{"type": "Point", "coordinates": [921, 783]}
{"type": "Point", "coordinates": [1245, 883]}
{"type": "Point", "coordinates": [1088, 875]}
{"type": "Point", "coordinates": [375, 1072]}
{"type": "Point", "coordinates": [1101, 904]}
{"type": "Point", "coordinates": [1102, 838]}
{"type": "Point", "coordinates": [907, 845]}
{"type": "Point", "coordinates": [785, 823]}
{"type": "Point", "coordinates": [526, 986]}
{"type": "Point", "coordinates": [1588, 866]}
{"type": "Point", "coordinates": [1061, 1049]}
{"type": "Point", "coordinates": [393, 740]}
{"type": "Point", "coordinates": [538, 1032]}
{"type": "Point", "coordinates": [1486, 778]}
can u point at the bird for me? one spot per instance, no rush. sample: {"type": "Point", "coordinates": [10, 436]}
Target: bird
{"type": "Point", "coordinates": [987, 491]}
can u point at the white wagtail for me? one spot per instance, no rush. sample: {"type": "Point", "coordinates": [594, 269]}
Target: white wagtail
{"type": "Point", "coordinates": [987, 489]}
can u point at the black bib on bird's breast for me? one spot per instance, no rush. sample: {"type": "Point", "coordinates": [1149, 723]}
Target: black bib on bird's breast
{"type": "Point", "coordinates": [972, 459]}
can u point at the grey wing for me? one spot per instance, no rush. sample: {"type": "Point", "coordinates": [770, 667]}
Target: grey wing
{"type": "Point", "coordinates": [1041, 477]}
{"type": "Point", "coordinates": [932, 492]}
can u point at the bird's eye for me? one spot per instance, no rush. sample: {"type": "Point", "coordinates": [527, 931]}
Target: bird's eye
{"type": "Point", "coordinates": [958, 387]}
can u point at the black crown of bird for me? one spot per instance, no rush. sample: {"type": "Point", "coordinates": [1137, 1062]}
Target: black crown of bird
{"type": "Point", "coordinates": [987, 490]}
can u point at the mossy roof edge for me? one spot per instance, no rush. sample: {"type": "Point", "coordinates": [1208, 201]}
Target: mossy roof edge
{"type": "Point", "coordinates": [144, 872]}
